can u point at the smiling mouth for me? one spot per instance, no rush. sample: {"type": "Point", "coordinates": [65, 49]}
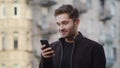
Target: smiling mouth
{"type": "Point", "coordinates": [63, 33]}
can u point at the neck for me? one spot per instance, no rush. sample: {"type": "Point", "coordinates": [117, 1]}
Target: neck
{"type": "Point", "coordinates": [71, 39]}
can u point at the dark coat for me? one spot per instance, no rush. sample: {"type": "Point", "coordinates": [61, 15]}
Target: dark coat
{"type": "Point", "coordinates": [86, 54]}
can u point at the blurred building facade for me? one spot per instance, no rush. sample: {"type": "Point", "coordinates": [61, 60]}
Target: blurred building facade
{"type": "Point", "coordinates": [15, 34]}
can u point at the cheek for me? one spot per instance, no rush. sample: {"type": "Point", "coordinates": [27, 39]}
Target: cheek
{"type": "Point", "coordinates": [69, 27]}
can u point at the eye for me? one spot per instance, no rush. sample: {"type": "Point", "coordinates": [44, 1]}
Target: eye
{"type": "Point", "coordinates": [65, 23]}
{"type": "Point", "coordinates": [58, 24]}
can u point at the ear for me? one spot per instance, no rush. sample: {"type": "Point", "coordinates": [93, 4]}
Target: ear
{"type": "Point", "coordinates": [77, 22]}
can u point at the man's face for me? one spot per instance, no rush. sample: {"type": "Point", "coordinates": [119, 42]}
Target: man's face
{"type": "Point", "coordinates": [66, 26]}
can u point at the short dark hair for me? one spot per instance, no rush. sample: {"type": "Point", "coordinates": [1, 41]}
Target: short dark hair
{"type": "Point", "coordinates": [69, 9]}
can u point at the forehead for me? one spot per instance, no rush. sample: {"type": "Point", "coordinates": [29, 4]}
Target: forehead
{"type": "Point", "coordinates": [62, 17]}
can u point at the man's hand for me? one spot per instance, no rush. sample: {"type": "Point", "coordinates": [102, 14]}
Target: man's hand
{"type": "Point", "coordinates": [47, 52]}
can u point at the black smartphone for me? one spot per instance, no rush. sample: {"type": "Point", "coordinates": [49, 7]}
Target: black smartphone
{"type": "Point", "coordinates": [44, 42]}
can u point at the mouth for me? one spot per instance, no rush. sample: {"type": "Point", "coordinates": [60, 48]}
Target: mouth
{"type": "Point", "coordinates": [62, 32]}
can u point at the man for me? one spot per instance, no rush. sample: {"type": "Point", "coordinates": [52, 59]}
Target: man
{"type": "Point", "coordinates": [72, 50]}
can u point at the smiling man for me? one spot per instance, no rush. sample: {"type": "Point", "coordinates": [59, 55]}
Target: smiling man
{"type": "Point", "coordinates": [72, 50]}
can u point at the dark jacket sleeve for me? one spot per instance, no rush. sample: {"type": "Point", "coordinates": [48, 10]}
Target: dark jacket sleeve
{"type": "Point", "coordinates": [45, 63]}
{"type": "Point", "coordinates": [99, 60]}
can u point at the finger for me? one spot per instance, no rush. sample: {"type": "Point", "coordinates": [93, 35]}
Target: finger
{"type": "Point", "coordinates": [47, 49]}
{"type": "Point", "coordinates": [43, 46]}
{"type": "Point", "coordinates": [48, 53]}
{"type": "Point", "coordinates": [49, 56]}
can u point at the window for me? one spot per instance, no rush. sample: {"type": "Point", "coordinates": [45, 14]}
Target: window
{"type": "Point", "coordinates": [109, 52]}
{"type": "Point", "coordinates": [3, 66]}
{"type": "Point", "coordinates": [112, 8]}
{"type": "Point", "coordinates": [28, 40]}
{"type": "Point", "coordinates": [3, 40]}
{"type": "Point", "coordinates": [16, 66]}
{"type": "Point", "coordinates": [115, 55]}
{"type": "Point", "coordinates": [113, 30]}
{"type": "Point", "coordinates": [15, 40]}
{"type": "Point", "coordinates": [15, 1]}
{"type": "Point", "coordinates": [15, 11]}
{"type": "Point", "coordinates": [15, 44]}
{"type": "Point", "coordinates": [3, 10]}
{"type": "Point", "coordinates": [28, 34]}
{"type": "Point", "coordinates": [88, 3]}
{"type": "Point", "coordinates": [3, 1]}
{"type": "Point", "coordinates": [102, 3]}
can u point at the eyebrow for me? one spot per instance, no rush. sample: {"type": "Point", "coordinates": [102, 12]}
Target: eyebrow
{"type": "Point", "coordinates": [62, 22]}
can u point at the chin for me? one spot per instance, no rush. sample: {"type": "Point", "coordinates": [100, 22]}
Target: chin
{"type": "Point", "coordinates": [63, 36]}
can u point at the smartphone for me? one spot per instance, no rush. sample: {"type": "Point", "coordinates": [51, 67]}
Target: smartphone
{"type": "Point", "coordinates": [44, 42]}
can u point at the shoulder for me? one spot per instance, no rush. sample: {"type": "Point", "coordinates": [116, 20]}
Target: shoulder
{"type": "Point", "coordinates": [95, 47]}
{"type": "Point", "coordinates": [92, 43]}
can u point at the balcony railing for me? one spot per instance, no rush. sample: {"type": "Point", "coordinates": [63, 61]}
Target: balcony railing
{"type": "Point", "coordinates": [105, 14]}
{"type": "Point", "coordinates": [47, 3]}
{"type": "Point", "coordinates": [107, 10]}
{"type": "Point", "coordinates": [82, 6]}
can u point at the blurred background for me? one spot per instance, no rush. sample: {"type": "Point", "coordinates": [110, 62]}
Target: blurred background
{"type": "Point", "coordinates": [24, 22]}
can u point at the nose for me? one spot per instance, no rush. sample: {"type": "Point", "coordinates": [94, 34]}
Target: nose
{"type": "Point", "coordinates": [61, 27]}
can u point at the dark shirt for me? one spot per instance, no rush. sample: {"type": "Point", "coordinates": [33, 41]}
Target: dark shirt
{"type": "Point", "coordinates": [67, 51]}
